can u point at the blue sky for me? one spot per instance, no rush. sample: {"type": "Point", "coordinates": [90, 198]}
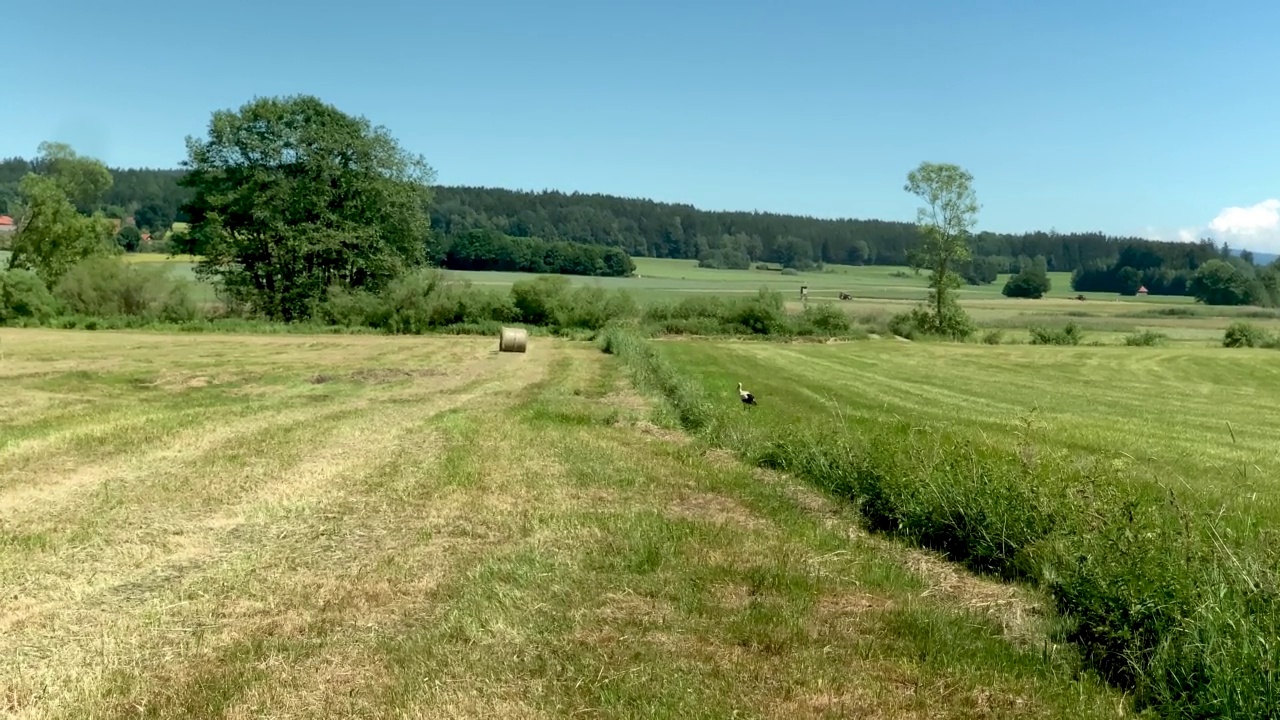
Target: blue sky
{"type": "Point", "coordinates": [1154, 118]}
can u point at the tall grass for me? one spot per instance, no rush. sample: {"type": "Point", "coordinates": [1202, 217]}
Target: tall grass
{"type": "Point", "coordinates": [1153, 588]}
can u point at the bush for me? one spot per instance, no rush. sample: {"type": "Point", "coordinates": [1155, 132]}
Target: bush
{"type": "Point", "coordinates": [106, 287]}
{"type": "Point", "coordinates": [426, 300]}
{"type": "Point", "coordinates": [1146, 338]}
{"type": "Point", "coordinates": [763, 314]}
{"type": "Point", "coordinates": [821, 319]}
{"type": "Point", "coordinates": [23, 297]}
{"type": "Point", "coordinates": [1070, 334]}
{"type": "Point", "coordinates": [924, 321]}
{"type": "Point", "coordinates": [537, 300]}
{"type": "Point", "coordinates": [993, 337]}
{"type": "Point", "coordinates": [350, 308]}
{"type": "Point", "coordinates": [1243, 334]}
{"type": "Point", "coordinates": [1030, 283]}
{"type": "Point", "coordinates": [418, 302]}
{"type": "Point", "coordinates": [790, 271]}
{"type": "Point", "coordinates": [909, 325]}
{"type": "Point", "coordinates": [591, 308]}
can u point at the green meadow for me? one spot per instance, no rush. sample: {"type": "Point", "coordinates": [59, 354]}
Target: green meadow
{"type": "Point", "coordinates": [305, 525]}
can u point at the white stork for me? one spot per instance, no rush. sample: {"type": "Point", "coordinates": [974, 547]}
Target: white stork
{"type": "Point", "coordinates": [747, 398]}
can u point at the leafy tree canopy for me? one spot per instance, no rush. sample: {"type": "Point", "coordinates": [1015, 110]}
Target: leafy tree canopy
{"type": "Point", "coordinates": [291, 196]}
{"type": "Point", "coordinates": [52, 236]}
{"type": "Point", "coordinates": [84, 180]}
{"type": "Point", "coordinates": [129, 238]}
{"type": "Point", "coordinates": [949, 212]}
{"type": "Point", "coordinates": [1218, 282]}
{"type": "Point", "coordinates": [1032, 282]}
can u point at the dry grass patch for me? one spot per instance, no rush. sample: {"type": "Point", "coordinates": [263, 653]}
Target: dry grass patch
{"type": "Point", "coordinates": [715, 508]}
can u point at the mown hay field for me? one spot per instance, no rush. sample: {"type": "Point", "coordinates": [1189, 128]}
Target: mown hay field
{"type": "Point", "coordinates": [1201, 416]}
{"type": "Point", "coordinates": [341, 526]}
{"type": "Point", "coordinates": [1136, 485]}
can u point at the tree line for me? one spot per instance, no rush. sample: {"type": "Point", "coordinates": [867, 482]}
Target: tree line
{"type": "Point", "coordinates": [492, 250]}
{"type": "Point", "coordinates": [638, 227]}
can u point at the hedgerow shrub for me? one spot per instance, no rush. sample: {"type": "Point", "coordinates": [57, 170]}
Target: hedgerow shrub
{"type": "Point", "coordinates": [591, 308]}
{"type": "Point", "coordinates": [106, 287]}
{"type": "Point", "coordinates": [419, 302]}
{"type": "Point", "coordinates": [1146, 338]}
{"type": "Point", "coordinates": [1242, 334]}
{"type": "Point", "coordinates": [537, 300]}
{"type": "Point", "coordinates": [761, 314]}
{"type": "Point", "coordinates": [23, 297]}
{"type": "Point", "coordinates": [821, 319]}
{"type": "Point", "coordinates": [1070, 334]}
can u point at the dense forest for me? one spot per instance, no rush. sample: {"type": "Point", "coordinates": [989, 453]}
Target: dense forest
{"type": "Point", "coordinates": [716, 238]}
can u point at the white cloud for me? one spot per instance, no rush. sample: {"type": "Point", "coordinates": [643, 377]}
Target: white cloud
{"type": "Point", "coordinates": [1256, 227]}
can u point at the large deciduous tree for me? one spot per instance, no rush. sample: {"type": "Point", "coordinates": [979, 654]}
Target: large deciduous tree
{"type": "Point", "coordinates": [53, 234]}
{"type": "Point", "coordinates": [291, 196]}
{"type": "Point", "coordinates": [945, 221]}
{"type": "Point", "coordinates": [1219, 282]}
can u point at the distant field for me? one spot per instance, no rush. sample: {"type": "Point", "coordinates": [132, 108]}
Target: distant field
{"type": "Point", "coordinates": [314, 527]}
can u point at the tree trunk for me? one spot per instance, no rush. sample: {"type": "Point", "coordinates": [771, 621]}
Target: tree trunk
{"type": "Point", "coordinates": [941, 287]}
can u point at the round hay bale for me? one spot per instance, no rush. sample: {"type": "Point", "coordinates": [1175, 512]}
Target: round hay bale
{"type": "Point", "coordinates": [513, 340]}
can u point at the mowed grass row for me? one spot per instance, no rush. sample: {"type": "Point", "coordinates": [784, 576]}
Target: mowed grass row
{"type": "Point", "coordinates": [292, 526]}
{"type": "Point", "coordinates": [1136, 485]}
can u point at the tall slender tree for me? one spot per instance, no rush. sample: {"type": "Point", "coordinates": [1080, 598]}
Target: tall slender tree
{"type": "Point", "coordinates": [945, 221]}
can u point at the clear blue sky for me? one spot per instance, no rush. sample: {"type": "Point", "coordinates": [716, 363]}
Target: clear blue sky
{"type": "Point", "coordinates": [1128, 117]}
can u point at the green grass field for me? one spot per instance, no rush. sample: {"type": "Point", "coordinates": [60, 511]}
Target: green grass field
{"type": "Point", "coordinates": [250, 526]}
{"type": "Point", "coordinates": [304, 525]}
{"type": "Point", "coordinates": [1193, 416]}
{"type": "Point", "coordinates": [1137, 485]}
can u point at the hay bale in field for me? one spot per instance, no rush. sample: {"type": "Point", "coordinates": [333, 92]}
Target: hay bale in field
{"type": "Point", "coordinates": [513, 340]}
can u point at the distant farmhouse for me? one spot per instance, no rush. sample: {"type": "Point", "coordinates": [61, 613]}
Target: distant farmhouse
{"type": "Point", "coordinates": [7, 225]}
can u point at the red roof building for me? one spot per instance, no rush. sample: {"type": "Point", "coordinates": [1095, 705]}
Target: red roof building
{"type": "Point", "coordinates": [6, 220]}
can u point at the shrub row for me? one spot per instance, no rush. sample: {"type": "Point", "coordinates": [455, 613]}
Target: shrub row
{"type": "Point", "coordinates": [1157, 594]}
{"type": "Point", "coordinates": [103, 288]}
{"type": "Point", "coordinates": [108, 292]}
{"type": "Point", "coordinates": [761, 314]}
